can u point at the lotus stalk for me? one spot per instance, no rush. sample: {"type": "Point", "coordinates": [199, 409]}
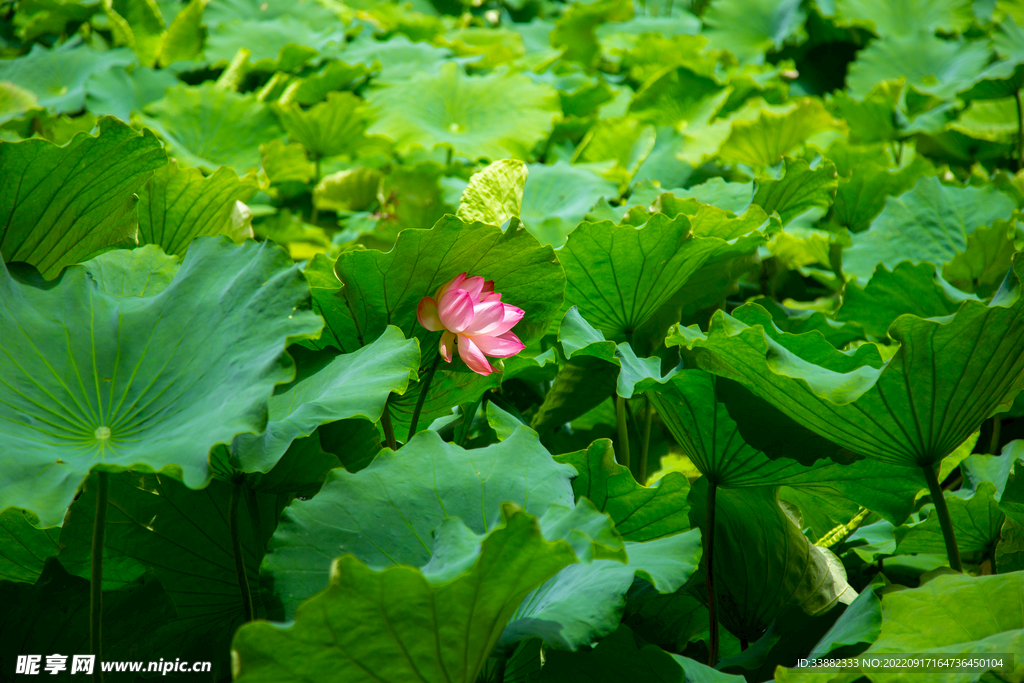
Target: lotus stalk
{"type": "Point", "coordinates": [96, 572]}
{"type": "Point", "coordinates": [709, 575]}
{"type": "Point", "coordinates": [645, 440]}
{"type": "Point", "coordinates": [942, 510]}
{"type": "Point", "coordinates": [236, 551]}
{"type": "Point", "coordinates": [620, 420]}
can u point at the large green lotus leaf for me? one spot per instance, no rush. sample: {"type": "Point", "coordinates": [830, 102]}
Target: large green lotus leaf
{"type": "Point", "coordinates": [58, 76]}
{"type": "Point", "coordinates": [94, 379]}
{"type": "Point", "coordinates": [989, 254]}
{"type": "Point", "coordinates": [178, 205]}
{"type": "Point", "coordinates": [641, 513]}
{"type": "Point", "coordinates": [284, 44]}
{"type": "Point", "coordinates": [157, 525]}
{"type": "Point", "coordinates": [802, 191]}
{"type": "Point", "coordinates": [750, 28]}
{"type": "Point", "coordinates": [620, 276]}
{"type": "Point", "coordinates": [557, 197]}
{"type": "Point", "coordinates": [907, 288]}
{"type": "Point", "coordinates": [951, 615]}
{"type": "Point", "coordinates": [349, 512]}
{"type": "Point", "coordinates": [381, 289]}
{"type": "Point", "coordinates": [932, 65]}
{"type": "Point", "coordinates": [330, 388]}
{"type": "Point", "coordinates": [55, 212]}
{"type": "Point", "coordinates": [584, 602]}
{"type": "Point", "coordinates": [623, 657]}
{"type": "Point", "coordinates": [929, 223]}
{"type": "Point", "coordinates": [701, 424]}
{"type": "Point", "coordinates": [764, 140]}
{"type": "Point", "coordinates": [948, 375]}
{"type": "Point", "coordinates": [494, 194]}
{"type": "Point", "coordinates": [460, 112]}
{"type": "Point", "coordinates": [208, 126]}
{"type": "Point", "coordinates": [861, 195]}
{"type": "Point", "coordinates": [763, 562]}
{"type": "Point", "coordinates": [24, 547]}
{"type": "Point", "coordinates": [118, 93]}
{"type": "Point", "coordinates": [902, 17]}
{"type": "Point", "coordinates": [434, 624]}
{"type": "Point", "coordinates": [328, 129]}
{"type": "Point", "coordinates": [397, 59]}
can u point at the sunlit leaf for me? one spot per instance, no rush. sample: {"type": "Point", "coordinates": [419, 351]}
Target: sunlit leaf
{"type": "Point", "coordinates": [55, 212]}
{"type": "Point", "coordinates": [457, 111]}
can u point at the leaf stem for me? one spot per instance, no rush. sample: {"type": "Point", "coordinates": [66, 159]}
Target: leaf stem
{"type": "Point", "coordinates": [389, 429]}
{"type": "Point", "coordinates": [96, 573]}
{"type": "Point", "coordinates": [993, 445]}
{"type": "Point", "coordinates": [469, 414]}
{"type": "Point", "coordinates": [942, 510]}
{"type": "Point", "coordinates": [1020, 131]}
{"type": "Point", "coordinates": [620, 419]}
{"type": "Point", "coordinates": [236, 551]}
{"type": "Point", "coordinates": [316, 181]}
{"type": "Point", "coordinates": [425, 387]}
{"type": "Point", "coordinates": [645, 441]}
{"type": "Point", "coordinates": [709, 554]}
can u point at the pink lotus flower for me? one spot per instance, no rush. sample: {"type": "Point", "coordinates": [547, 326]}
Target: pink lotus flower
{"type": "Point", "coordinates": [470, 311]}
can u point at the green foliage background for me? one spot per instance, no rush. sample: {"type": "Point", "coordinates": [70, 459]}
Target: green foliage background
{"type": "Point", "coordinates": [770, 405]}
